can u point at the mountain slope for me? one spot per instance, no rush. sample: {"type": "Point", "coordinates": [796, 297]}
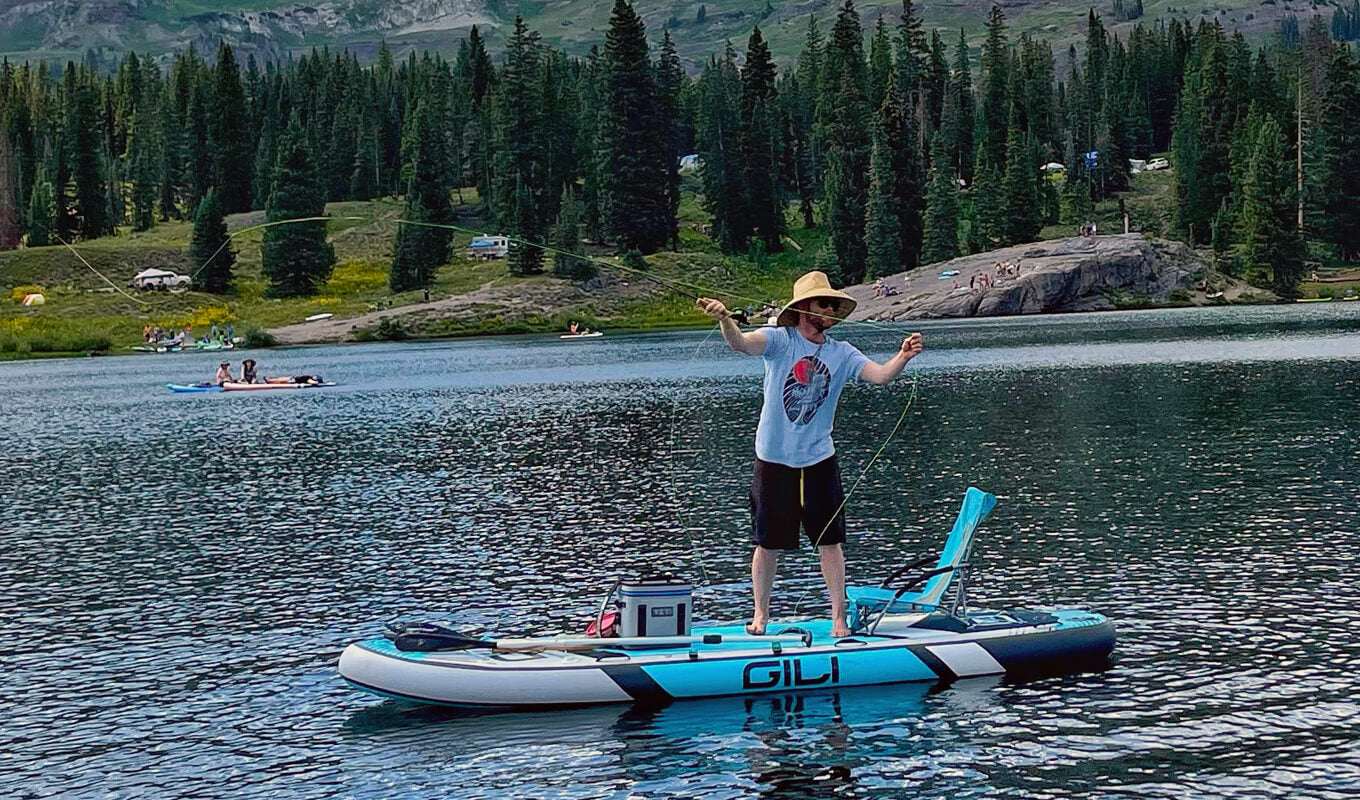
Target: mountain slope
{"type": "Point", "coordinates": [109, 28]}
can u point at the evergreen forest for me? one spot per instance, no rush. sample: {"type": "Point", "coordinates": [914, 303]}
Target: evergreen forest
{"type": "Point", "coordinates": [906, 146]}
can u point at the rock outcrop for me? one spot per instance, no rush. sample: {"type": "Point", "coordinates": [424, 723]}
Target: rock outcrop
{"type": "Point", "coordinates": [1079, 274]}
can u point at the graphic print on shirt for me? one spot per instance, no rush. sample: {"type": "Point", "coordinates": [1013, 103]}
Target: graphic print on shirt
{"type": "Point", "coordinates": [805, 389]}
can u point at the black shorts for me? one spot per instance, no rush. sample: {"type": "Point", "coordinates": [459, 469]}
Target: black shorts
{"type": "Point", "coordinates": [783, 498]}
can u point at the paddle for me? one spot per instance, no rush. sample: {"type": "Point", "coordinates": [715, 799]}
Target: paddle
{"type": "Point", "coordinates": [428, 637]}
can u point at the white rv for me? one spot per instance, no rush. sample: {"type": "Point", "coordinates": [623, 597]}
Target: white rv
{"type": "Point", "coordinates": [489, 247]}
{"type": "Point", "coordinates": [160, 279]}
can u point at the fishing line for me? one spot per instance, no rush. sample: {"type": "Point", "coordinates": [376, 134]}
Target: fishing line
{"type": "Point", "coordinates": [77, 254]}
{"type": "Point", "coordinates": [678, 286]}
{"type": "Point", "coordinates": [693, 291]}
{"type": "Point", "coordinates": [911, 398]}
{"type": "Point", "coordinates": [674, 482]}
{"type": "Point", "coordinates": [262, 225]}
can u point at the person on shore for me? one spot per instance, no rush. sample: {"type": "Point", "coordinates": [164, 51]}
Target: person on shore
{"type": "Point", "coordinates": [796, 481]}
{"type": "Point", "coordinates": [248, 371]}
{"type": "Point", "coordinates": [223, 374]}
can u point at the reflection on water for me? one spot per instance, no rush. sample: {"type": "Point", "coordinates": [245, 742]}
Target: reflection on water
{"type": "Point", "coordinates": [184, 569]}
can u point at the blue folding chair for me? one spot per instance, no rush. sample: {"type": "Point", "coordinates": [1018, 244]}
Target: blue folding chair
{"type": "Point", "coordinates": [923, 592]}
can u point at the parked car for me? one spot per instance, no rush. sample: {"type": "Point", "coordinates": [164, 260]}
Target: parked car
{"type": "Point", "coordinates": [489, 247]}
{"type": "Point", "coordinates": [159, 279]}
{"type": "Point", "coordinates": [1158, 163]}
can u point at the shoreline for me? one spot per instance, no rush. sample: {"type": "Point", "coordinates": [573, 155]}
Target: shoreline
{"type": "Point", "coordinates": [677, 327]}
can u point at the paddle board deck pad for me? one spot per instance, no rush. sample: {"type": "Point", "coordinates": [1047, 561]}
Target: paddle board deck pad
{"type": "Point", "coordinates": [257, 387]}
{"type": "Point", "coordinates": [724, 661]}
{"type": "Point", "coordinates": [193, 387]}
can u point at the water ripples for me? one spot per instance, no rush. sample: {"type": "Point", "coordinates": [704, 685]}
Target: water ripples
{"type": "Point", "coordinates": [184, 570]}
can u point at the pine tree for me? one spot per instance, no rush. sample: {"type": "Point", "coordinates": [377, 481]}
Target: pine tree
{"type": "Point", "coordinates": [1341, 108]}
{"type": "Point", "coordinates": [9, 194]}
{"type": "Point", "coordinates": [589, 89]}
{"type": "Point", "coordinates": [959, 134]}
{"type": "Point", "coordinates": [1271, 243]}
{"type": "Point", "coordinates": [994, 113]}
{"type": "Point", "coordinates": [521, 175]}
{"type": "Point", "coordinates": [1200, 138]}
{"type": "Point", "coordinates": [809, 132]}
{"type": "Point", "coordinates": [297, 258]}
{"type": "Point", "coordinates": [942, 209]}
{"type": "Point", "coordinates": [197, 156]}
{"type": "Point", "coordinates": [143, 146]}
{"type": "Point", "coordinates": [760, 145]}
{"type": "Point", "coordinates": [420, 248]}
{"type": "Point", "coordinates": [987, 222]}
{"type": "Point", "coordinates": [880, 63]}
{"type": "Point", "coordinates": [843, 114]}
{"type": "Point", "coordinates": [881, 232]}
{"type": "Point", "coordinates": [935, 81]}
{"type": "Point", "coordinates": [895, 121]}
{"type": "Point", "coordinates": [567, 242]}
{"type": "Point", "coordinates": [232, 140]}
{"type": "Point", "coordinates": [209, 250]}
{"type": "Point", "coordinates": [635, 188]}
{"type": "Point", "coordinates": [481, 71]}
{"type": "Point", "coordinates": [670, 82]}
{"type": "Point", "coordinates": [1023, 213]}
{"type": "Point", "coordinates": [720, 144]}
{"type": "Point", "coordinates": [83, 132]}
{"type": "Point", "coordinates": [42, 207]}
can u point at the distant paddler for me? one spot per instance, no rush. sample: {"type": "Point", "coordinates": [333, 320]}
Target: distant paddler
{"type": "Point", "coordinates": [797, 481]}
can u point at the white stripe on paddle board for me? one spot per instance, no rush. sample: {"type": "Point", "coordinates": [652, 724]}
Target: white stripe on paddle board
{"type": "Point", "coordinates": [966, 659]}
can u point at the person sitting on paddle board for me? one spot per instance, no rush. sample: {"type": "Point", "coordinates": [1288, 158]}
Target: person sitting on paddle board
{"type": "Point", "coordinates": [223, 373]}
{"type": "Point", "coordinates": [796, 481]}
{"type": "Point", "coordinates": [248, 373]}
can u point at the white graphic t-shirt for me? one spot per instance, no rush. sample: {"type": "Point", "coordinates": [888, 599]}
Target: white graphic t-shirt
{"type": "Point", "coordinates": [803, 381]}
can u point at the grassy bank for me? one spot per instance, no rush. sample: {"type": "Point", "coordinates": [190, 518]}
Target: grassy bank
{"type": "Point", "coordinates": [90, 310]}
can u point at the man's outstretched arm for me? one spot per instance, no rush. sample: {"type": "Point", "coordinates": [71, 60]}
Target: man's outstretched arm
{"type": "Point", "coordinates": [752, 343]}
{"type": "Point", "coordinates": [883, 373]}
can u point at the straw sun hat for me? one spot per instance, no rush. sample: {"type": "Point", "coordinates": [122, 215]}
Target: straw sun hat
{"type": "Point", "coordinates": [815, 284]}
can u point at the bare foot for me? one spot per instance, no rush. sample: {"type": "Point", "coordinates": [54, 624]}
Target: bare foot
{"type": "Point", "coordinates": [755, 628]}
{"type": "Point", "coordinates": [839, 630]}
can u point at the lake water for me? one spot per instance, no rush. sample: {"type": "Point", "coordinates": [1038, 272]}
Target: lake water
{"type": "Point", "coordinates": [181, 572]}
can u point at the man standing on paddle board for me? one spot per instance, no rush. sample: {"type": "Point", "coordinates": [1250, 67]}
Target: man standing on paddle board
{"type": "Point", "coordinates": [797, 482]}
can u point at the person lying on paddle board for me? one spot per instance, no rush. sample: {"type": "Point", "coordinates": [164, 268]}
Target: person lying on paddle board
{"type": "Point", "coordinates": [296, 379]}
{"type": "Point", "coordinates": [796, 481]}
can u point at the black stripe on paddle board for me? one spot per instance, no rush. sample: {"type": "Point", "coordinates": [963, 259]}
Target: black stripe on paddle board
{"type": "Point", "coordinates": [634, 680]}
{"type": "Point", "coordinates": [1052, 651]}
{"type": "Point", "coordinates": [933, 661]}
